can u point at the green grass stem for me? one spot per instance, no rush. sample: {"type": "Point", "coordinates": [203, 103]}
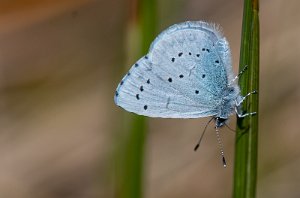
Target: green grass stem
{"type": "Point", "coordinates": [245, 165]}
{"type": "Point", "coordinates": [130, 157]}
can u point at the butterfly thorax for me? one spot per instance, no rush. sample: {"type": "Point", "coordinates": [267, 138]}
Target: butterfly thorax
{"type": "Point", "coordinates": [231, 94]}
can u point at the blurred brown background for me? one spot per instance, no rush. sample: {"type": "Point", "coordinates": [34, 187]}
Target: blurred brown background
{"type": "Point", "coordinates": [60, 63]}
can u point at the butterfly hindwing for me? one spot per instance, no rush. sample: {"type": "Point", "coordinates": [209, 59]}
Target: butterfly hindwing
{"type": "Point", "coordinates": [143, 92]}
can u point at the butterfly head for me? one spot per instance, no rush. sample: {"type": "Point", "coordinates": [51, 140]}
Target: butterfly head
{"type": "Point", "coordinates": [220, 121]}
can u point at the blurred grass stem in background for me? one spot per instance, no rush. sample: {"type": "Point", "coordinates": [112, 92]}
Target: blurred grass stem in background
{"type": "Point", "coordinates": [245, 168]}
{"type": "Point", "coordinates": [130, 157]}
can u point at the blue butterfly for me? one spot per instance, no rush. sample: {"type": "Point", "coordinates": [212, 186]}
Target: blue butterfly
{"type": "Point", "coordinates": [187, 73]}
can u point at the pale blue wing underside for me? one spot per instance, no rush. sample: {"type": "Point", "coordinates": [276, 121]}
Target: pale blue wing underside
{"type": "Point", "coordinates": [183, 75]}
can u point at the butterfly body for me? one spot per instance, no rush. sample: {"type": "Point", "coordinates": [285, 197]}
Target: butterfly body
{"type": "Point", "coordinates": [187, 73]}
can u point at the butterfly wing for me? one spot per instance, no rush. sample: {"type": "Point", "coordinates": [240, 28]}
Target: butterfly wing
{"type": "Point", "coordinates": [182, 76]}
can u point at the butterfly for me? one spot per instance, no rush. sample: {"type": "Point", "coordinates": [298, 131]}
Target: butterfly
{"type": "Point", "coordinates": [187, 73]}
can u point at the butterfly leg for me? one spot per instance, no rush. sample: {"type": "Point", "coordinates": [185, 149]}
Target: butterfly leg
{"type": "Point", "coordinates": [238, 103]}
{"type": "Point", "coordinates": [239, 75]}
{"type": "Point", "coordinates": [241, 115]}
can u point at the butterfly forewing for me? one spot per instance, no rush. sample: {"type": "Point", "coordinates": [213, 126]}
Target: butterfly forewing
{"type": "Point", "coordinates": [182, 76]}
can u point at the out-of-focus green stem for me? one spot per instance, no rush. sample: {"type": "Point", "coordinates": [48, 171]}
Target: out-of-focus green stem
{"type": "Point", "coordinates": [245, 166]}
{"type": "Point", "coordinates": [130, 157]}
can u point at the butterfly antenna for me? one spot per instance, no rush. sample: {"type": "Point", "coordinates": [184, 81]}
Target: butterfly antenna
{"type": "Point", "coordinates": [198, 144]}
{"type": "Point", "coordinates": [221, 147]}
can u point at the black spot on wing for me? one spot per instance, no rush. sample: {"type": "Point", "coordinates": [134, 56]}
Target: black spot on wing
{"type": "Point", "coordinates": [205, 49]}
